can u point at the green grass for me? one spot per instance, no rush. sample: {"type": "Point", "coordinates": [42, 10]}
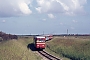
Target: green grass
{"type": "Point", "coordinates": [75, 48]}
{"type": "Point", "coordinates": [17, 50]}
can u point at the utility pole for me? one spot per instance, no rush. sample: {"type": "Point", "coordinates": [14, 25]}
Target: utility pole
{"type": "Point", "coordinates": [67, 31]}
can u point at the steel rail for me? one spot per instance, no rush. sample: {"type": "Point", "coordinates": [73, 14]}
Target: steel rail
{"type": "Point", "coordinates": [48, 56]}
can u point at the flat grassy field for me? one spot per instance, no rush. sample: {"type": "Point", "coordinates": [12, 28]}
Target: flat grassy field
{"type": "Point", "coordinates": [72, 47]}
{"type": "Point", "coordinates": [17, 50]}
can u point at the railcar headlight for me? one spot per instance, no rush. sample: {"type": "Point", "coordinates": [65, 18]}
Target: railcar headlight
{"type": "Point", "coordinates": [37, 45]}
{"type": "Point", "coordinates": [42, 45]}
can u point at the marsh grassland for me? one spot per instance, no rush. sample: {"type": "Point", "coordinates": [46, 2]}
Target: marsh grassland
{"type": "Point", "coordinates": [72, 47]}
{"type": "Point", "coordinates": [17, 50]}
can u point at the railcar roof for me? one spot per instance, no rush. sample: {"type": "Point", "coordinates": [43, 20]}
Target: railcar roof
{"type": "Point", "coordinates": [39, 37]}
{"type": "Point", "coordinates": [46, 35]}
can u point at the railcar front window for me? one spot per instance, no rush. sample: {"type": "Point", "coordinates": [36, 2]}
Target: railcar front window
{"type": "Point", "coordinates": [40, 40]}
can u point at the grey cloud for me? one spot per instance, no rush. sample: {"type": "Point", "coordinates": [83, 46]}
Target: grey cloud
{"type": "Point", "coordinates": [10, 8]}
{"type": "Point", "coordinates": [70, 7]}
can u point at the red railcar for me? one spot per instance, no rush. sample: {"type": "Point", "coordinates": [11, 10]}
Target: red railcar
{"type": "Point", "coordinates": [39, 42]}
{"type": "Point", "coordinates": [48, 37]}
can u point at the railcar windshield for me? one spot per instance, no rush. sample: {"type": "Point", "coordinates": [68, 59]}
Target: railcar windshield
{"type": "Point", "coordinates": [40, 41]}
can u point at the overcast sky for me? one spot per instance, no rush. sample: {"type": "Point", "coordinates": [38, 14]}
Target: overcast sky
{"type": "Point", "coordinates": [45, 16]}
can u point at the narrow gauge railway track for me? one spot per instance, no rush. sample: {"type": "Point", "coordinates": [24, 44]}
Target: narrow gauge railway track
{"type": "Point", "coordinates": [48, 56]}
